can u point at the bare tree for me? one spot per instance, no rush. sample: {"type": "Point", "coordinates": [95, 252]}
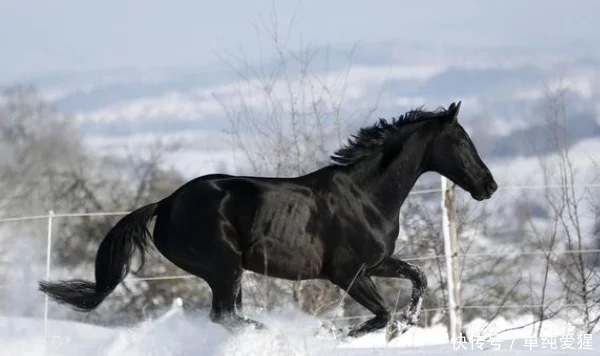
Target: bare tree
{"type": "Point", "coordinates": [566, 280]}
{"type": "Point", "coordinates": [47, 166]}
{"type": "Point", "coordinates": [285, 117]}
{"type": "Point", "coordinates": [579, 281]}
{"type": "Point", "coordinates": [488, 272]}
{"type": "Point", "coordinates": [37, 142]}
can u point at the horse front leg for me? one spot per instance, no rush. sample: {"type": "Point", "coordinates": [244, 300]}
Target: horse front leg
{"type": "Point", "coordinates": [362, 289]}
{"type": "Point", "coordinates": [395, 268]}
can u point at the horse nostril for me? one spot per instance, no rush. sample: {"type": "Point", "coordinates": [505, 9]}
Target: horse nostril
{"type": "Point", "coordinates": [491, 187]}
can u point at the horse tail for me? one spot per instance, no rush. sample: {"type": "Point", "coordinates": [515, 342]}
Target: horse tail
{"type": "Point", "coordinates": [112, 262]}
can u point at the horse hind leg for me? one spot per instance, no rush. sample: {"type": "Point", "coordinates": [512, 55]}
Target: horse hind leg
{"type": "Point", "coordinates": [215, 260]}
{"type": "Point", "coordinates": [223, 273]}
{"type": "Point", "coordinates": [225, 281]}
{"type": "Point", "coordinates": [226, 290]}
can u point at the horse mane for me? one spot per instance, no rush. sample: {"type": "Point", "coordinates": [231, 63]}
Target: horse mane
{"type": "Point", "coordinates": [367, 139]}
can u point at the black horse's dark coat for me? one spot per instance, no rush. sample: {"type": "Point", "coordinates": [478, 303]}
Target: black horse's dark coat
{"type": "Point", "coordinates": [338, 223]}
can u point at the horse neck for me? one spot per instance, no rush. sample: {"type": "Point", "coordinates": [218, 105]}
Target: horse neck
{"type": "Point", "coordinates": [390, 188]}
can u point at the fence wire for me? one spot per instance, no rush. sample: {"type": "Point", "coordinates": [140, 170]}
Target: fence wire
{"type": "Point", "coordinates": [50, 216]}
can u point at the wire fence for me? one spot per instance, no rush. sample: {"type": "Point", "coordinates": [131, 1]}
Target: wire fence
{"type": "Point", "coordinates": [414, 192]}
{"type": "Point", "coordinates": [51, 216]}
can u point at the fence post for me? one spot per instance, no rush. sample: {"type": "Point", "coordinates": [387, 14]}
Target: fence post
{"type": "Point", "coordinates": [449, 232]}
{"type": "Point", "coordinates": [48, 258]}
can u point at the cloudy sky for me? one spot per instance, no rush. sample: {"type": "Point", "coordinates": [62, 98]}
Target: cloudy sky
{"type": "Point", "coordinates": [42, 36]}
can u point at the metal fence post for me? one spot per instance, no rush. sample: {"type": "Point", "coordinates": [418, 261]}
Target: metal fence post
{"type": "Point", "coordinates": [451, 255]}
{"type": "Point", "coordinates": [48, 258]}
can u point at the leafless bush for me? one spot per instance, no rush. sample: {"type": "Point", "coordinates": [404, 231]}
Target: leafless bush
{"type": "Point", "coordinates": [561, 278]}
{"type": "Point", "coordinates": [46, 166]}
{"type": "Point", "coordinates": [487, 271]}
{"type": "Point", "coordinates": [285, 118]}
{"type": "Point", "coordinates": [566, 238]}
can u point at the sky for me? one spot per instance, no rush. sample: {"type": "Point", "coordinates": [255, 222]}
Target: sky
{"type": "Point", "coordinates": [39, 36]}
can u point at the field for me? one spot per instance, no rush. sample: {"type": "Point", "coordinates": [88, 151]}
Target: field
{"type": "Point", "coordinates": [290, 334]}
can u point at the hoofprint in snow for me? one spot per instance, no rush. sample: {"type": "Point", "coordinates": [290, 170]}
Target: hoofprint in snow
{"type": "Point", "coordinates": [290, 333]}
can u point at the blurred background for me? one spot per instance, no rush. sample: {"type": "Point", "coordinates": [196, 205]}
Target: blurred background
{"type": "Point", "coordinates": [106, 106]}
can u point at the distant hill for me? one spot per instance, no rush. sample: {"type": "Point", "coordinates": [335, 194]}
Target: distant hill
{"type": "Point", "coordinates": [504, 84]}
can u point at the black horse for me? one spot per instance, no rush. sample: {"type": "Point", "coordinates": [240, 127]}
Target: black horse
{"type": "Point", "coordinates": [338, 223]}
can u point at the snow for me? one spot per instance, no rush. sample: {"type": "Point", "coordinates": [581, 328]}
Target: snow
{"type": "Point", "coordinates": [203, 102]}
{"type": "Point", "coordinates": [290, 333]}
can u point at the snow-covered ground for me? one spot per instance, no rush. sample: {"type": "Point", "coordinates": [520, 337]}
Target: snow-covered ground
{"type": "Point", "coordinates": [289, 334]}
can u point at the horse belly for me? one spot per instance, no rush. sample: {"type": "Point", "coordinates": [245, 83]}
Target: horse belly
{"type": "Point", "coordinates": [281, 259]}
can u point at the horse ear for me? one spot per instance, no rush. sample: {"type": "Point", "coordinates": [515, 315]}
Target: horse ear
{"type": "Point", "coordinates": [453, 110]}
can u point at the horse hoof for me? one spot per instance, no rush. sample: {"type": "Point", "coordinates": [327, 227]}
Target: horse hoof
{"type": "Point", "coordinates": [396, 328]}
{"type": "Point", "coordinates": [328, 330]}
{"type": "Point", "coordinates": [355, 333]}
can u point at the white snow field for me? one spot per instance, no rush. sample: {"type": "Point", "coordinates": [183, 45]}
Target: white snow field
{"type": "Point", "coordinates": [289, 334]}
